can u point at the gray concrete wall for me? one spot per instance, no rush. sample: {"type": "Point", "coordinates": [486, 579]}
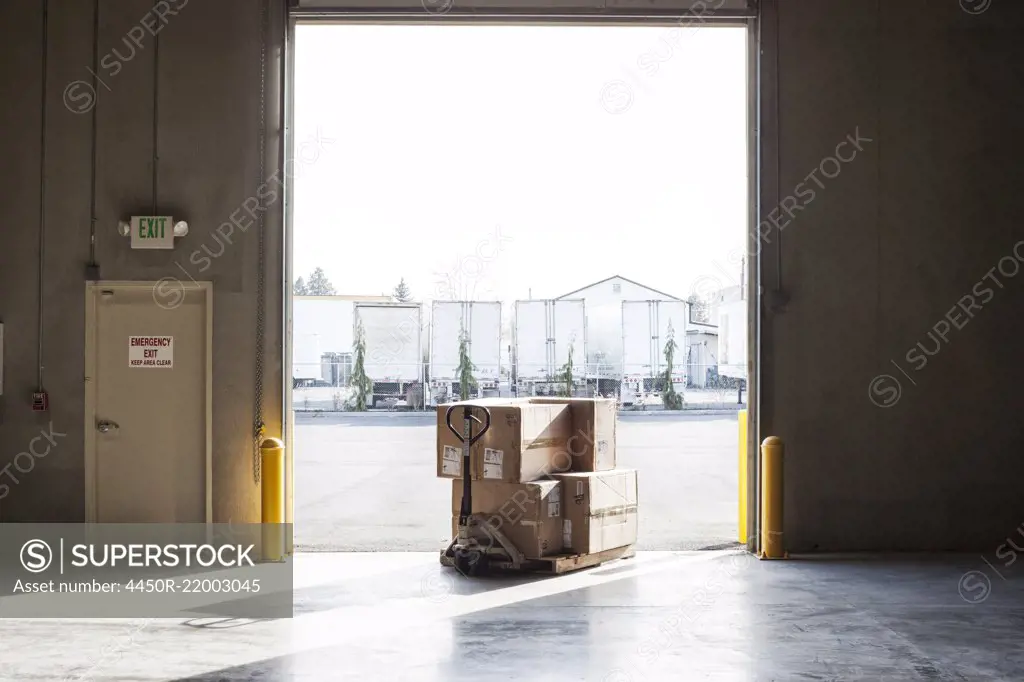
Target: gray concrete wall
{"type": "Point", "coordinates": [871, 264]}
{"type": "Point", "coordinates": [207, 71]}
{"type": "Point", "coordinates": [879, 257]}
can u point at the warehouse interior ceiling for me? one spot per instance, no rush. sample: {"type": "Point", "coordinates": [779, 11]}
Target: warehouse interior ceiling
{"type": "Point", "coordinates": [458, 177]}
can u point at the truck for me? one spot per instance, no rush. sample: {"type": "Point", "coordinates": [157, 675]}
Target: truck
{"type": "Point", "coordinates": [545, 332]}
{"type": "Point", "coordinates": [321, 326]}
{"type": "Point", "coordinates": [481, 322]}
{"type": "Point", "coordinates": [393, 355]}
{"type": "Point", "coordinates": [646, 329]}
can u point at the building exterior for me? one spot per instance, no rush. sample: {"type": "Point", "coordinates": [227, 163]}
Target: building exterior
{"type": "Point", "coordinates": [730, 310]}
{"type": "Point", "coordinates": [701, 354]}
{"type": "Point", "coordinates": [604, 320]}
{"type": "Point", "coordinates": [702, 346]}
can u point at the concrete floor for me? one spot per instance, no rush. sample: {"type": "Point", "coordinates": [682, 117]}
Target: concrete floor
{"type": "Point", "coordinates": [368, 482]}
{"type": "Point", "coordinates": [661, 616]}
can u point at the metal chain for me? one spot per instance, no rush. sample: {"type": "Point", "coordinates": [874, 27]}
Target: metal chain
{"type": "Point", "coordinates": [258, 426]}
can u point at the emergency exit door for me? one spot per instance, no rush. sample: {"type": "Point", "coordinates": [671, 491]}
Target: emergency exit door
{"type": "Point", "coordinates": [148, 387]}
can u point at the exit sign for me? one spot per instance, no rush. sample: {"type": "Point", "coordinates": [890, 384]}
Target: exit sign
{"type": "Point", "coordinates": [152, 232]}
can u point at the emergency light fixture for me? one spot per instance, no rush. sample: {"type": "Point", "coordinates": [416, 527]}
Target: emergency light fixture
{"type": "Point", "coordinates": [152, 232]}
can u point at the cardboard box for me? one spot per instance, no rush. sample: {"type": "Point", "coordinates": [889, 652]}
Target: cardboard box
{"type": "Point", "coordinates": [526, 441]}
{"type": "Point", "coordinates": [528, 514]}
{"type": "Point", "coordinates": [592, 443]}
{"type": "Point", "coordinates": [599, 510]}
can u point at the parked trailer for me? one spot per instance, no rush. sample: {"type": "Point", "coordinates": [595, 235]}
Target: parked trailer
{"type": "Point", "coordinates": [393, 356]}
{"type": "Point", "coordinates": [646, 326]}
{"type": "Point", "coordinates": [544, 332]}
{"type": "Point", "coordinates": [321, 325]}
{"type": "Point", "coordinates": [481, 321]}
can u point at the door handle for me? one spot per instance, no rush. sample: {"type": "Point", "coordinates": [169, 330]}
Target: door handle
{"type": "Point", "coordinates": [105, 425]}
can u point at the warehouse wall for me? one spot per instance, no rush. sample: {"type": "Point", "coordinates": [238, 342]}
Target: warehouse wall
{"type": "Point", "coordinates": [878, 258]}
{"type": "Point", "coordinates": [207, 70]}
{"type": "Point", "coordinates": [889, 244]}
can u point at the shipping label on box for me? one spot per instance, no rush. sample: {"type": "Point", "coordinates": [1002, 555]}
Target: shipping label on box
{"type": "Point", "coordinates": [555, 503]}
{"type": "Point", "coordinates": [579, 490]}
{"type": "Point", "coordinates": [492, 463]}
{"type": "Point", "coordinates": [600, 510]}
{"type": "Point", "coordinates": [451, 461]}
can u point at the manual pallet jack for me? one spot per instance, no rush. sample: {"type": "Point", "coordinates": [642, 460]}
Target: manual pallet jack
{"type": "Point", "coordinates": [480, 547]}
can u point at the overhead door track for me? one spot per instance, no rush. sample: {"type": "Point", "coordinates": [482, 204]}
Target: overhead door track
{"type": "Point", "coordinates": [690, 13]}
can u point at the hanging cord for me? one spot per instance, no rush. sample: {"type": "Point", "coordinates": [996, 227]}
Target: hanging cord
{"type": "Point", "coordinates": [258, 426]}
{"type": "Point", "coordinates": [156, 124]}
{"type": "Point", "coordinates": [42, 191]}
{"type": "Point", "coordinates": [93, 151]}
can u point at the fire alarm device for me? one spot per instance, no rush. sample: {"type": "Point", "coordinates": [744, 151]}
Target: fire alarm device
{"type": "Point", "coordinates": [40, 401]}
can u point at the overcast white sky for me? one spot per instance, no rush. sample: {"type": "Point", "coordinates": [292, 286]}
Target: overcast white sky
{"type": "Point", "coordinates": [444, 133]}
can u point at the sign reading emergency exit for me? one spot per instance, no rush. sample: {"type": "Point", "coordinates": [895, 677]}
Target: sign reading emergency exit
{"type": "Point", "coordinates": [150, 351]}
{"type": "Point", "coordinates": [152, 232]}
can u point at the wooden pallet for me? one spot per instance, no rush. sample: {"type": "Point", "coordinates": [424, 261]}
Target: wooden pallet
{"type": "Point", "coordinates": [565, 563]}
{"type": "Point", "coordinates": [554, 565]}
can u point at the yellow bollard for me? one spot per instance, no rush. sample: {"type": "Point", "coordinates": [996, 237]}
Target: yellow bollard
{"type": "Point", "coordinates": [771, 499]}
{"type": "Point", "coordinates": [742, 417]}
{"type": "Point", "coordinates": [272, 494]}
{"type": "Point", "coordinates": [289, 492]}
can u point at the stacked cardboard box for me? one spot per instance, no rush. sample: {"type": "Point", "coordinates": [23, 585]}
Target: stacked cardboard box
{"type": "Point", "coordinates": [545, 474]}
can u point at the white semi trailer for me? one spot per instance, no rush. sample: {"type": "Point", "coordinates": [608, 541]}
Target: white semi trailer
{"type": "Point", "coordinates": [320, 325]}
{"type": "Point", "coordinates": [545, 331]}
{"type": "Point", "coordinates": [646, 329]}
{"type": "Point", "coordinates": [481, 323]}
{"type": "Point", "coordinates": [393, 359]}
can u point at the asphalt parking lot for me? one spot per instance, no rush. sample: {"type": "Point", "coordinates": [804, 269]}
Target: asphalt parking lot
{"type": "Point", "coordinates": [367, 482]}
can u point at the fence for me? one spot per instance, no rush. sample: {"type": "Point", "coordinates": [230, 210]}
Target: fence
{"type": "Point", "coordinates": [330, 387]}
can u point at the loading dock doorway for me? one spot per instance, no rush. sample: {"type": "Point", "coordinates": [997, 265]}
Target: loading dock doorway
{"type": "Point", "coordinates": [373, 459]}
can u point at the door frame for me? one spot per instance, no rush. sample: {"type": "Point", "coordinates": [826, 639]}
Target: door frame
{"type": "Point", "coordinates": [762, 144]}
{"type": "Point", "coordinates": [91, 289]}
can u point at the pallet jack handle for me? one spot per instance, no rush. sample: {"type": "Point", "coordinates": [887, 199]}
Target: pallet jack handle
{"type": "Point", "coordinates": [467, 439]}
{"type": "Point", "coordinates": [468, 416]}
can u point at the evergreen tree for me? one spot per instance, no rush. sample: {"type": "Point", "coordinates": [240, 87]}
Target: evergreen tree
{"type": "Point", "coordinates": [402, 293]}
{"type": "Point", "coordinates": [565, 375]}
{"type": "Point", "coordinates": [300, 288]}
{"type": "Point", "coordinates": [465, 369]}
{"type": "Point", "coordinates": [361, 382]}
{"type": "Point", "coordinates": [669, 398]}
{"type": "Point", "coordinates": [319, 285]}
